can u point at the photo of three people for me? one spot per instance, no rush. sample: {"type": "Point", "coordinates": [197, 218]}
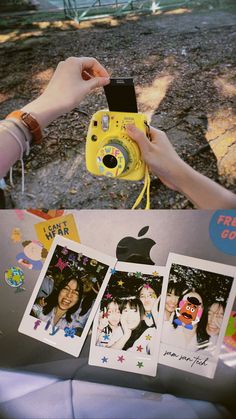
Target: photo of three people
{"type": "Point", "coordinates": [194, 308]}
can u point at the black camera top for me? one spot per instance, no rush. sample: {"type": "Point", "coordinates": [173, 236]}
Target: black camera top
{"type": "Point", "coordinates": [120, 95]}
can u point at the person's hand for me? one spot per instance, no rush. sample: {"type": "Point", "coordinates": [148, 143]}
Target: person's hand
{"type": "Point", "coordinates": [159, 154]}
{"type": "Point", "coordinates": [164, 162]}
{"type": "Point", "coordinates": [42, 302]}
{"type": "Point", "coordinates": [73, 79]}
{"type": "Point", "coordinates": [103, 321]}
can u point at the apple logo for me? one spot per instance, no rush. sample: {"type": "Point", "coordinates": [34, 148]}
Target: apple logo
{"type": "Point", "coordinates": [134, 250]}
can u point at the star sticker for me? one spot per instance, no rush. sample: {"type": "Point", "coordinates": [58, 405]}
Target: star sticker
{"type": "Point", "coordinates": [108, 295]}
{"type": "Point", "coordinates": [104, 360]}
{"type": "Point", "coordinates": [113, 271]}
{"type": "Point", "coordinates": [120, 359]}
{"type": "Point", "coordinates": [155, 273]}
{"type": "Point", "coordinates": [149, 315]}
{"type": "Point", "coordinates": [153, 295]}
{"type": "Point", "coordinates": [138, 274]}
{"type": "Point", "coordinates": [60, 264]}
{"type": "Point", "coordinates": [139, 348]}
{"type": "Point", "coordinates": [146, 286]}
{"type": "Point", "coordinates": [94, 280]}
{"type": "Point", "coordinates": [72, 257]}
{"type": "Point", "coordinates": [120, 282]}
{"type": "Point", "coordinates": [106, 337]}
{"type": "Point", "coordinates": [139, 364]}
{"type": "Point", "coordinates": [148, 337]}
{"type": "Point", "coordinates": [105, 315]}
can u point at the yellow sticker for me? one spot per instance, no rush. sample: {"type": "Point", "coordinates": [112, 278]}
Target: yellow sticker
{"type": "Point", "coordinates": [16, 235]}
{"type": "Point", "coordinates": [64, 226]}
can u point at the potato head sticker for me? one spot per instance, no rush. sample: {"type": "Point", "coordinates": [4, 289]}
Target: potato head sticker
{"type": "Point", "coordinates": [189, 311]}
{"type": "Point", "coordinates": [32, 255]}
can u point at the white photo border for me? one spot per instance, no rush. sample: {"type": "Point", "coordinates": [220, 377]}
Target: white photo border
{"type": "Point", "coordinates": [200, 362]}
{"type": "Point", "coordinates": [59, 340]}
{"type": "Point", "coordinates": [125, 360]}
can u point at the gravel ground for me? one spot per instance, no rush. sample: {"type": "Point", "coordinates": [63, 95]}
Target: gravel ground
{"type": "Point", "coordinates": [178, 62]}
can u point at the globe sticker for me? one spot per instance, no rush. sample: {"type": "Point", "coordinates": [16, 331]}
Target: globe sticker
{"type": "Point", "coordinates": [14, 277]}
{"type": "Point", "coordinates": [222, 231]}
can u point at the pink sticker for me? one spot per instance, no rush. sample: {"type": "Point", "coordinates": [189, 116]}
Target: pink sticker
{"type": "Point", "coordinates": [20, 214]}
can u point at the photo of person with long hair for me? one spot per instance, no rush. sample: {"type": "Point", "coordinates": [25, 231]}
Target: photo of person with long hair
{"type": "Point", "coordinates": [211, 327]}
{"type": "Point", "coordinates": [174, 291]}
{"type": "Point", "coordinates": [183, 331]}
{"type": "Point", "coordinates": [134, 328]}
{"type": "Point", "coordinates": [215, 319]}
{"type": "Point", "coordinates": [61, 304]}
{"type": "Point", "coordinates": [69, 289]}
{"type": "Point", "coordinates": [109, 327]}
{"type": "Point", "coordinates": [194, 307]}
{"type": "Point", "coordinates": [128, 315]}
{"type": "Point", "coordinates": [149, 295]}
{"type": "Point", "coordinates": [126, 333]}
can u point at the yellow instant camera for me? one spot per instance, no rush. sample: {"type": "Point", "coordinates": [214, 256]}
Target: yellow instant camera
{"type": "Point", "coordinates": [109, 150]}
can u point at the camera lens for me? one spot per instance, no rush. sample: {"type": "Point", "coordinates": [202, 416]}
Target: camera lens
{"type": "Point", "coordinates": [110, 161]}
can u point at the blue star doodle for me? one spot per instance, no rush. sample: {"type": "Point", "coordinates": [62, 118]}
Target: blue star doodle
{"type": "Point", "coordinates": [106, 337]}
{"type": "Point", "coordinates": [149, 315]}
{"type": "Point", "coordinates": [69, 332]}
{"type": "Point", "coordinates": [113, 271]}
{"type": "Point", "coordinates": [104, 360]}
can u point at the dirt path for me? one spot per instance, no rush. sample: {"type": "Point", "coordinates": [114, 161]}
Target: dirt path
{"type": "Point", "coordinates": [184, 71]}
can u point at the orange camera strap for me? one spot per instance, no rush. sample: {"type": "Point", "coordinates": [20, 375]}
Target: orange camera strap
{"type": "Point", "coordinates": [146, 188]}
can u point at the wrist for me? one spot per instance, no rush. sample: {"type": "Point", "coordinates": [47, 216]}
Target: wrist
{"type": "Point", "coordinates": [43, 110]}
{"type": "Point", "coordinates": [182, 176]}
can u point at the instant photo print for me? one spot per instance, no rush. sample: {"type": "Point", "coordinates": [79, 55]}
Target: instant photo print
{"type": "Point", "coordinates": [120, 95]}
{"type": "Point", "coordinates": [126, 330]}
{"type": "Point", "coordinates": [110, 151]}
{"type": "Point", "coordinates": [199, 299]}
{"type": "Point", "coordinates": [66, 295]}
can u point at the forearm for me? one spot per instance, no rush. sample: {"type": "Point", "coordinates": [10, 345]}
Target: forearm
{"type": "Point", "coordinates": [43, 110]}
{"type": "Point", "coordinates": [10, 149]}
{"type": "Point", "coordinates": [203, 192]}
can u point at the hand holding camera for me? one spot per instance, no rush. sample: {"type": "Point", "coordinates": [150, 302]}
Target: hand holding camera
{"type": "Point", "coordinates": [110, 151]}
